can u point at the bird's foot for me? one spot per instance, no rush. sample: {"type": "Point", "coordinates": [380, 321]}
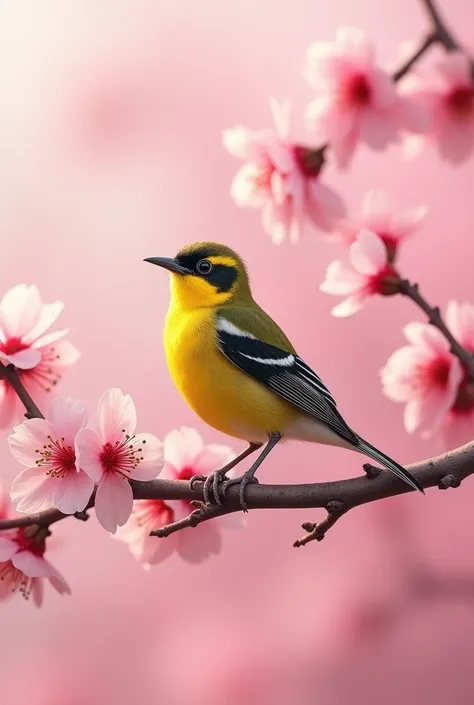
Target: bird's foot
{"type": "Point", "coordinates": [246, 479]}
{"type": "Point", "coordinates": [212, 483]}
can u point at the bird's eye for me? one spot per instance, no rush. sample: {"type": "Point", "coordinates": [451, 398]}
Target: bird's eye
{"type": "Point", "coordinates": [204, 266]}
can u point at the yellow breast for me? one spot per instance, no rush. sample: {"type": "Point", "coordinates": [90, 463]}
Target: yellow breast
{"type": "Point", "coordinates": [221, 394]}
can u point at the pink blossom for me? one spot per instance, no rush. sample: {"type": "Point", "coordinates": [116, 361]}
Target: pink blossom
{"type": "Point", "coordinates": [46, 448]}
{"type": "Point", "coordinates": [185, 456]}
{"type": "Point", "coordinates": [114, 454]}
{"type": "Point", "coordinates": [355, 101]}
{"type": "Point", "coordinates": [447, 95]}
{"type": "Point", "coordinates": [281, 178]}
{"type": "Point", "coordinates": [370, 273]}
{"type": "Point", "coordinates": [378, 215]}
{"type": "Point", "coordinates": [39, 356]}
{"type": "Point", "coordinates": [23, 566]}
{"type": "Point", "coordinates": [431, 381]}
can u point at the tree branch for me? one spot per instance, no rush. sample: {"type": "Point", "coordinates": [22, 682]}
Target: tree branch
{"type": "Point", "coordinates": [10, 375]}
{"type": "Point", "coordinates": [412, 292]}
{"type": "Point", "coordinates": [441, 33]}
{"type": "Point", "coordinates": [447, 470]}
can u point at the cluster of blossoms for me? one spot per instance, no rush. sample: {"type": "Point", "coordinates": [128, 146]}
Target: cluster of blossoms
{"type": "Point", "coordinates": [357, 102]}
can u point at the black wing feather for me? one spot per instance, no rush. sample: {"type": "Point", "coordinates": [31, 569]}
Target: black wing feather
{"type": "Point", "coordinates": [287, 375]}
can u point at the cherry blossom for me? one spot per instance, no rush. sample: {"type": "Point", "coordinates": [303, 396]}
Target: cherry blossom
{"type": "Point", "coordinates": [114, 454]}
{"type": "Point", "coordinates": [431, 381]}
{"type": "Point", "coordinates": [282, 179]}
{"type": "Point", "coordinates": [23, 567]}
{"type": "Point", "coordinates": [46, 448]}
{"type": "Point", "coordinates": [185, 456]}
{"type": "Point", "coordinates": [370, 273]}
{"type": "Point", "coordinates": [355, 101]}
{"type": "Point", "coordinates": [447, 95]}
{"type": "Point", "coordinates": [39, 356]}
{"type": "Point", "coordinates": [378, 215]}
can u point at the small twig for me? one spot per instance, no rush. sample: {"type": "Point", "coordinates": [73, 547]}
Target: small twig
{"type": "Point", "coordinates": [412, 292]}
{"type": "Point", "coordinates": [9, 373]}
{"type": "Point", "coordinates": [440, 30]}
{"type": "Point", "coordinates": [316, 532]}
{"type": "Point", "coordinates": [429, 40]}
{"type": "Point", "coordinates": [205, 512]}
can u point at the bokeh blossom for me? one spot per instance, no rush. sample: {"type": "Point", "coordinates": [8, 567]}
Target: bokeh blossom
{"type": "Point", "coordinates": [369, 273]}
{"type": "Point", "coordinates": [282, 179]}
{"type": "Point", "coordinates": [378, 215]}
{"type": "Point", "coordinates": [185, 456]}
{"type": "Point", "coordinates": [447, 95]}
{"type": "Point", "coordinates": [46, 448]}
{"type": "Point", "coordinates": [431, 382]}
{"type": "Point", "coordinates": [114, 454]}
{"type": "Point", "coordinates": [355, 101]}
{"type": "Point", "coordinates": [40, 356]}
{"type": "Point", "coordinates": [23, 567]}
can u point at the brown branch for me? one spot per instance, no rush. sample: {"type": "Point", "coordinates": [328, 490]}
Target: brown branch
{"type": "Point", "coordinates": [441, 32]}
{"type": "Point", "coordinates": [337, 497]}
{"type": "Point", "coordinates": [412, 292]}
{"type": "Point", "coordinates": [9, 373]}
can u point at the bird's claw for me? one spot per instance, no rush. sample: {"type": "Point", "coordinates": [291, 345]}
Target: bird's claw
{"type": "Point", "coordinates": [243, 481]}
{"type": "Point", "coordinates": [194, 479]}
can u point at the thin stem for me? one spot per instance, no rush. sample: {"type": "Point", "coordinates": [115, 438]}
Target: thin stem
{"type": "Point", "coordinates": [429, 40]}
{"type": "Point", "coordinates": [10, 374]}
{"type": "Point", "coordinates": [442, 34]}
{"type": "Point", "coordinates": [412, 292]}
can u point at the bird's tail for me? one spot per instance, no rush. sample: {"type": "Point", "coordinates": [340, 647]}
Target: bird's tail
{"type": "Point", "coordinates": [388, 463]}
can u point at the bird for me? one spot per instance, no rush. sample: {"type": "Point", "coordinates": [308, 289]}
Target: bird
{"type": "Point", "coordinates": [239, 372]}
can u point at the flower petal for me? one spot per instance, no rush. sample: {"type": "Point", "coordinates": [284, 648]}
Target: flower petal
{"type": "Point", "coordinates": [29, 438]}
{"type": "Point", "coordinates": [26, 483]}
{"type": "Point", "coordinates": [88, 447]}
{"type": "Point", "coordinates": [24, 359]}
{"type": "Point", "coordinates": [116, 414]}
{"type": "Point", "coordinates": [152, 459]}
{"type": "Point", "coordinates": [20, 310]}
{"type": "Point", "coordinates": [7, 549]}
{"type": "Point", "coordinates": [47, 316]}
{"type": "Point", "coordinates": [57, 580]}
{"type": "Point", "coordinates": [349, 306]}
{"type": "Point", "coordinates": [368, 254]}
{"type": "Point", "coordinates": [181, 447]}
{"type": "Point", "coordinates": [113, 501]}
{"type": "Point", "coordinates": [200, 543]}
{"type": "Point", "coordinates": [50, 338]}
{"type": "Point", "coordinates": [68, 415]}
{"type": "Point", "coordinates": [212, 457]}
{"type": "Point", "coordinates": [31, 565]}
{"type": "Point", "coordinates": [340, 280]}
{"type": "Point", "coordinates": [427, 337]}
{"type": "Point", "coordinates": [72, 492]}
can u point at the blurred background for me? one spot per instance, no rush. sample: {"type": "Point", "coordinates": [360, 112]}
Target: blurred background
{"type": "Point", "coordinates": [111, 119]}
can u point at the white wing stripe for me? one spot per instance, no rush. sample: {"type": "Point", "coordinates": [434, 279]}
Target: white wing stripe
{"type": "Point", "coordinates": [279, 361]}
{"type": "Point", "coordinates": [227, 327]}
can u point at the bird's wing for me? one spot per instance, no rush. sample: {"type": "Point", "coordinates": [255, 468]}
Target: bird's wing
{"type": "Point", "coordinates": [239, 337]}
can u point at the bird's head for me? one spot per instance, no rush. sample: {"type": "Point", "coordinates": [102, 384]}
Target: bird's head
{"type": "Point", "coordinates": [206, 274]}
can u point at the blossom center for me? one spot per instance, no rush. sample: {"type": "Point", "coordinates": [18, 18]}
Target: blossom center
{"type": "Point", "coordinates": [16, 580]}
{"type": "Point", "coordinates": [309, 161]}
{"type": "Point", "coordinates": [461, 101]}
{"type": "Point", "coordinates": [153, 513]}
{"type": "Point", "coordinates": [186, 473]}
{"type": "Point", "coordinates": [263, 178]}
{"type": "Point", "coordinates": [12, 346]}
{"type": "Point", "coordinates": [384, 282]}
{"type": "Point", "coordinates": [435, 373]}
{"type": "Point", "coordinates": [123, 456]}
{"type": "Point", "coordinates": [33, 543]}
{"type": "Point", "coordinates": [359, 91]}
{"type": "Point", "coordinates": [57, 457]}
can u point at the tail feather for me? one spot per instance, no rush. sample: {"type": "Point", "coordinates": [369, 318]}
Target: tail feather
{"type": "Point", "coordinates": [389, 464]}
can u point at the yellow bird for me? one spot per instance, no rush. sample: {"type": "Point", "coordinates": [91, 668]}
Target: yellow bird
{"type": "Point", "coordinates": [239, 372]}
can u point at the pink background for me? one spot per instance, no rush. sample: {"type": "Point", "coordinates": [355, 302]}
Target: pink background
{"type": "Point", "coordinates": [110, 144]}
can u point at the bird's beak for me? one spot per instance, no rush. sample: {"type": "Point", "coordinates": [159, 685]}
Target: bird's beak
{"type": "Point", "coordinates": [168, 263]}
